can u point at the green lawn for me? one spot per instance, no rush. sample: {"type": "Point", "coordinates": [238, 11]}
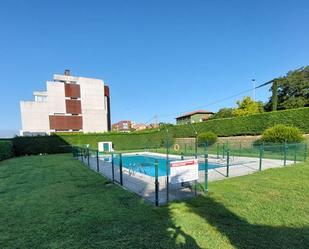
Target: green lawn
{"type": "Point", "coordinates": [55, 202]}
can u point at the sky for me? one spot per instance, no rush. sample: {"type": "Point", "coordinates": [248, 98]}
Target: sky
{"type": "Point", "coordinates": [160, 58]}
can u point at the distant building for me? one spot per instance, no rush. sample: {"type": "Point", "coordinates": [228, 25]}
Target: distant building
{"type": "Point", "coordinates": [194, 117]}
{"type": "Point", "coordinates": [139, 127]}
{"type": "Point", "coordinates": [69, 104]}
{"type": "Point", "coordinates": [124, 125]}
{"type": "Point", "coordinates": [153, 125]}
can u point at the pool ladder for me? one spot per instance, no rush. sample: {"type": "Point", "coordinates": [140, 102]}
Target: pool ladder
{"type": "Point", "coordinates": [139, 166]}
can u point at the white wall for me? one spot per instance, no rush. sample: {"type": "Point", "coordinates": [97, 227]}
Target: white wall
{"type": "Point", "coordinates": [93, 105]}
{"type": "Point", "coordinates": [34, 116]}
{"type": "Point", "coordinates": [56, 97]}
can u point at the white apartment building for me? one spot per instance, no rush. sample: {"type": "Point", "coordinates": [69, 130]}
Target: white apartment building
{"type": "Point", "coordinates": [69, 104]}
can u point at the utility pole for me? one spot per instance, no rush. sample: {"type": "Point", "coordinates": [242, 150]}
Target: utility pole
{"type": "Point", "coordinates": [156, 120]}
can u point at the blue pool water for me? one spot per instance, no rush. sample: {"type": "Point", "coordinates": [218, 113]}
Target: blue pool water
{"type": "Point", "coordinates": [145, 164]}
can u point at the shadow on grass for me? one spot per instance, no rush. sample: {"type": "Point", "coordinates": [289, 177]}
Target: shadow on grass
{"type": "Point", "coordinates": [242, 234]}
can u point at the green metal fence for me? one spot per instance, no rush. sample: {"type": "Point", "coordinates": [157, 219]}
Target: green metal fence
{"type": "Point", "coordinates": [227, 156]}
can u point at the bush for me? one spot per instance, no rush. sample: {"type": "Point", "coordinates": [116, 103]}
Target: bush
{"type": "Point", "coordinates": [207, 137]}
{"type": "Point", "coordinates": [282, 133]}
{"type": "Point", "coordinates": [6, 150]}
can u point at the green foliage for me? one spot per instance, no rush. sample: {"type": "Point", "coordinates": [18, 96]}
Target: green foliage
{"type": "Point", "coordinates": [55, 202]}
{"type": "Point", "coordinates": [40, 145]}
{"type": "Point", "coordinates": [207, 137]}
{"type": "Point", "coordinates": [247, 125]}
{"type": "Point", "coordinates": [223, 113]}
{"type": "Point", "coordinates": [282, 133]}
{"type": "Point", "coordinates": [121, 141]}
{"type": "Point", "coordinates": [292, 90]}
{"type": "Point", "coordinates": [6, 150]}
{"type": "Point", "coordinates": [247, 106]}
{"type": "Point", "coordinates": [274, 100]}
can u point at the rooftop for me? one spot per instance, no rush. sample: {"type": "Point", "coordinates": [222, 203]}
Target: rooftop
{"type": "Point", "coordinates": [193, 113]}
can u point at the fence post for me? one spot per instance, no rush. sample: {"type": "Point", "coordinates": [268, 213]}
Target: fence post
{"type": "Point", "coordinates": [82, 154]}
{"type": "Point", "coordinates": [167, 180]}
{"type": "Point", "coordinates": [156, 184]}
{"type": "Point", "coordinates": [206, 172]}
{"type": "Point", "coordinates": [98, 164]}
{"type": "Point", "coordinates": [223, 151]}
{"type": "Point", "coordinates": [285, 152]}
{"type": "Point", "coordinates": [240, 147]}
{"type": "Point", "coordinates": [181, 156]}
{"type": "Point", "coordinates": [306, 151]}
{"type": "Point", "coordinates": [261, 156]}
{"type": "Point", "coordinates": [227, 163]}
{"type": "Point", "coordinates": [166, 167]}
{"type": "Point", "coordinates": [120, 169]}
{"type": "Point", "coordinates": [195, 148]}
{"type": "Point", "coordinates": [113, 174]}
{"type": "Point", "coordinates": [218, 150]}
{"type": "Point", "coordinates": [88, 157]}
{"type": "Point", "coordinates": [295, 153]}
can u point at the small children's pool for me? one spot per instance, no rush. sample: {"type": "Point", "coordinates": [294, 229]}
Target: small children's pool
{"type": "Point", "coordinates": [145, 164]}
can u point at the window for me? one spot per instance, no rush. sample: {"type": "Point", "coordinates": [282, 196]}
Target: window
{"type": "Point", "coordinates": [39, 98]}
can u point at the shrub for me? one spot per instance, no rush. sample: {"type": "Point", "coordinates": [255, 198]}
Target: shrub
{"type": "Point", "coordinates": [282, 133]}
{"type": "Point", "coordinates": [6, 150]}
{"type": "Point", "coordinates": [207, 137]}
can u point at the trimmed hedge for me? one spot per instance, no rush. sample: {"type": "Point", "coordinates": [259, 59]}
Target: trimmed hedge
{"type": "Point", "coordinates": [6, 149]}
{"type": "Point", "coordinates": [62, 143]}
{"type": "Point", "coordinates": [121, 141]}
{"type": "Point", "coordinates": [40, 145]}
{"type": "Point", "coordinates": [247, 125]}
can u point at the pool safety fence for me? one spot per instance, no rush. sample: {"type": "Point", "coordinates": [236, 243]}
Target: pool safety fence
{"type": "Point", "coordinates": [146, 172]}
{"type": "Point", "coordinates": [296, 152]}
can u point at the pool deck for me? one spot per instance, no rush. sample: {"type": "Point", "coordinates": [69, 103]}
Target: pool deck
{"type": "Point", "coordinates": [144, 186]}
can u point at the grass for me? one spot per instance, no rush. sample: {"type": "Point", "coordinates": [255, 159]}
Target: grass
{"type": "Point", "coordinates": [54, 201]}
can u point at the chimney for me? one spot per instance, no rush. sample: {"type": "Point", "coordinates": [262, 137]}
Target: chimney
{"type": "Point", "coordinates": [67, 72]}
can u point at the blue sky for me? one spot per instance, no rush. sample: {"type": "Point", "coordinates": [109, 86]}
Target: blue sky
{"type": "Point", "coordinates": [158, 57]}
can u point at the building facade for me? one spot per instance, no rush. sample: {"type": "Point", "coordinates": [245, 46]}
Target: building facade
{"type": "Point", "coordinates": [139, 127]}
{"type": "Point", "coordinates": [69, 104]}
{"type": "Point", "coordinates": [194, 117]}
{"type": "Point", "coordinates": [124, 125]}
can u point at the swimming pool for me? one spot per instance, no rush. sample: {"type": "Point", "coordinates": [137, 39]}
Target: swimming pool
{"type": "Point", "coordinates": [145, 164]}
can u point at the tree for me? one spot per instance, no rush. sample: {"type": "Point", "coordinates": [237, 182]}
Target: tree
{"type": "Point", "coordinates": [223, 113]}
{"type": "Point", "coordinates": [248, 106]}
{"type": "Point", "coordinates": [291, 91]}
{"type": "Point", "coordinates": [274, 100]}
